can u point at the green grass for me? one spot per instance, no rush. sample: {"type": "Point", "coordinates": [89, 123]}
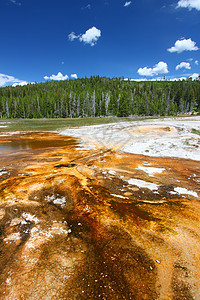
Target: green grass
{"type": "Point", "coordinates": [61, 124]}
{"type": "Point", "coordinates": [57, 124]}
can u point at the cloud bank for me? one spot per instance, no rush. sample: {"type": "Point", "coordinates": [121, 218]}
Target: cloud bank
{"type": "Point", "coordinates": [183, 65]}
{"type": "Point", "coordinates": [183, 45]}
{"type": "Point", "coordinates": [190, 4]}
{"type": "Point", "coordinates": [22, 83]}
{"type": "Point", "coordinates": [74, 76]}
{"type": "Point", "coordinates": [59, 76]}
{"type": "Point", "coordinates": [8, 80]}
{"type": "Point", "coordinates": [90, 37]}
{"type": "Point", "coordinates": [194, 76]}
{"type": "Point", "coordinates": [159, 68]}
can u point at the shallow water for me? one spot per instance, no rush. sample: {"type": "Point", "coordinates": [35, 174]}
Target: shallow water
{"type": "Point", "coordinates": [29, 141]}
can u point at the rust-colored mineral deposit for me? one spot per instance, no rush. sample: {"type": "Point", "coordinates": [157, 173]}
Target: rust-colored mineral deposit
{"type": "Point", "coordinates": [96, 224]}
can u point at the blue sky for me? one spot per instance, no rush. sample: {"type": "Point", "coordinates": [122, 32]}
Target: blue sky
{"type": "Point", "coordinates": [52, 40]}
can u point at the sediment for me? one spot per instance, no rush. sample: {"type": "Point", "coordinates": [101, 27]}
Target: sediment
{"type": "Point", "coordinates": [74, 226]}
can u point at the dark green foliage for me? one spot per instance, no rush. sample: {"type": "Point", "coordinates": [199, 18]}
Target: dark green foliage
{"type": "Point", "coordinates": [99, 96]}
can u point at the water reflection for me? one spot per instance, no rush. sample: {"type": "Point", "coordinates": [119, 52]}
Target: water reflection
{"type": "Point", "coordinates": [32, 141]}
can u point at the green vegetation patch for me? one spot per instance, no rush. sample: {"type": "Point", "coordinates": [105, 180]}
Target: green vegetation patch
{"type": "Point", "coordinates": [99, 97]}
{"type": "Point", "coordinates": [12, 125]}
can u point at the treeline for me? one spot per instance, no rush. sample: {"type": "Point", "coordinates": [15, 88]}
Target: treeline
{"type": "Point", "coordinates": [99, 96]}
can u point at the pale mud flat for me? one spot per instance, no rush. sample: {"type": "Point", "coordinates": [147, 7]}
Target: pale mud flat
{"type": "Point", "coordinates": [169, 137]}
{"type": "Point", "coordinates": [85, 220]}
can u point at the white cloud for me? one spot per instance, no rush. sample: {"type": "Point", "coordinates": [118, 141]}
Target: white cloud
{"type": "Point", "coordinates": [190, 4]}
{"type": "Point", "coordinates": [159, 68]}
{"type": "Point", "coordinates": [127, 3]}
{"type": "Point", "coordinates": [74, 76]}
{"type": "Point", "coordinates": [178, 78]}
{"type": "Point", "coordinates": [72, 36]}
{"type": "Point", "coordinates": [196, 62]}
{"type": "Point", "coordinates": [7, 80]}
{"type": "Point", "coordinates": [91, 36]}
{"type": "Point", "coordinates": [183, 65]}
{"type": "Point", "coordinates": [145, 71]}
{"type": "Point", "coordinates": [183, 45]}
{"type": "Point", "coordinates": [195, 76]}
{"type": "Point", "coordinates": [21, 83]}
{"type": "Point", "coordinates": [59, 76]}
{"type": "Point", "coordinates": [145, 79]}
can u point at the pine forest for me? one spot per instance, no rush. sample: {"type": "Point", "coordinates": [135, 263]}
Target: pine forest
{"type": "Point", "coordinates": [100, 96]}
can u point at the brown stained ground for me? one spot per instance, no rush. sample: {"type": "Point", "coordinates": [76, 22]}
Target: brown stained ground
{"type": "Point", "coordinates": [71, 228]}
